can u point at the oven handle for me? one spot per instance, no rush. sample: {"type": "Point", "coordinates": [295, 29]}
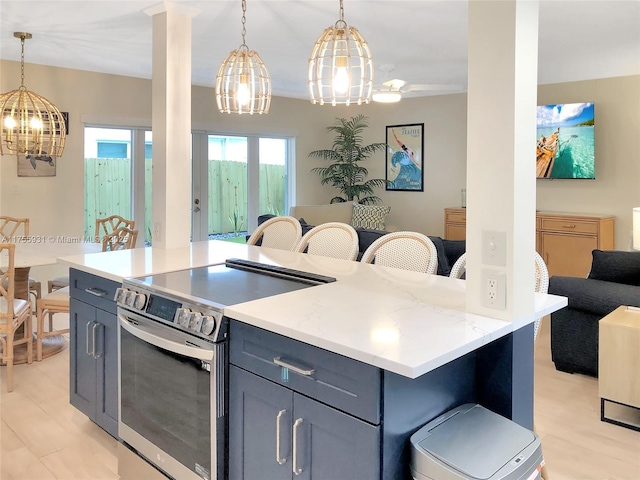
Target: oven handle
{"type": "Point", "coordinates": [156, 337]}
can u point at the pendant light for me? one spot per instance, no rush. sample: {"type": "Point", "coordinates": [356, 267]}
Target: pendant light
{"type": "Point", "coordinates": [31, 125]}
{"type": "Point", "coordinates": [340, 66]}
{"type": "Point", "coordinates": [243, 84]}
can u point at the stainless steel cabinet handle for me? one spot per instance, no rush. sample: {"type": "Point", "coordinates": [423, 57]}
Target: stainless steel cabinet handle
{"type": "Point", "coordinates": [87, 338]}
{"type": "Point", "coordinates": [302, 370]}
{"type": "Point", "coordinates": [93, 334]}
{"type": "Point", "coordinates": [296, 470]}
{"type": "Point", "coordinates": [279, 459]}
{"type": "Point", "coordinates": [95, 291]}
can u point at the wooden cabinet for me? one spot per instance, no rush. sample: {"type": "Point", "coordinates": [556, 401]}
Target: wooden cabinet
{"type": "Point", "coordinates": [455, 223]}
{"type": "Point", "coordinates": [93, 350]}
{"type": "Point", "coordinates": [564, 240]}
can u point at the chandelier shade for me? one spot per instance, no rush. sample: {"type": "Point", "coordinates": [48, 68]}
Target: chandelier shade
{"type": "Point", "coordinates": [243, 84]}
{"type": "Point", "coordinates": [31, 124]}
{"type": "Point", "coordinates": [340, 66]}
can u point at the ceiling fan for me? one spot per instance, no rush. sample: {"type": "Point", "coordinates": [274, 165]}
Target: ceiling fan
{"type": "Point", "coordinates": [391, 90]}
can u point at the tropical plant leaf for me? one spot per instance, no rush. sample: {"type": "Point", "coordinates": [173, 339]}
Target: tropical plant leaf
{"type": "Point", "coordinates": [345, 173]}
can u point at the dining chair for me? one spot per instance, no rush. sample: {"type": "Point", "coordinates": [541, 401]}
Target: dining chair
{"type": "Point", "coordinates": [108, 225]}
{"type": "Point", "coordinates": [104, 226]}
{"type": "Point", "coordinates": [332, 239]}
{"type": "Point", "coordinates": [50, 304]}
{"type": "Point", "coordinates": [406, 250]}
{"type": "Point", "coordinates": [282, 233]}
{"type": "Point", "coordinates": [13, 313]}
{"type": "Point", "coordinates": [122, 238]}
{"type": "Point", "coordinates": [11, 230]}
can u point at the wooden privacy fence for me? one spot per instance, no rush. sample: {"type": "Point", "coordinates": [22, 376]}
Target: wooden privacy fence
{"type": "Point", "coordinates": [108, 192]}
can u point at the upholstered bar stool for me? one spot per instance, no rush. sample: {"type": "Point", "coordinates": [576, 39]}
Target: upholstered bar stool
{"type": "Point", "coordinates": [54, 302]}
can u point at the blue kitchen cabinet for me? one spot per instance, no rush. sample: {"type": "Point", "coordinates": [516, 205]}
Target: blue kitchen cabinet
{"type": "Point", "coordinates": [353, 420]}
{"type": "Point", "coordinates": [93, 351]}
{"type": "Point", "coordinates": [274, 432]}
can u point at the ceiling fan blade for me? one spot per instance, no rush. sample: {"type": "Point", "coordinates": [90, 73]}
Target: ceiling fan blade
{"type": "Point", "coordinates": [433, 87]}
{"type": "Point", "coordinates": [395, 83]}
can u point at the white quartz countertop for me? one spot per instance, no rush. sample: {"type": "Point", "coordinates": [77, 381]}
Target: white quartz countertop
{"type": "Point", "coordinates": [405, 322]}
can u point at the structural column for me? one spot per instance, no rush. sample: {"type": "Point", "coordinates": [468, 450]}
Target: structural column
{"type": "Point", "coordinates": [171, 124]}
{"type": "Point", "coordinates": [501, 179]}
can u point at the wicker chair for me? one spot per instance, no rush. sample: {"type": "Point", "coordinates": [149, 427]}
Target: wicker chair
{"type": "Point", "coordinates": [122, 238]}
{"type": "Point", "coordinates": [13, 313]}
{"type": "Point", "coordinates": [332, 239]}
{"type": "Point", "coordinates": [10, 228]}
{"type": "Point", "coordinates": [282, 233]}
{"type": "Point", "coordinates": [406, 250]}
{"type": "Point", "coordinates": [459, 267]}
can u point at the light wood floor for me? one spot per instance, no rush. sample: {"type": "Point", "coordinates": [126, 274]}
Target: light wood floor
{"type": "Point", "coordinates": [43, 437]}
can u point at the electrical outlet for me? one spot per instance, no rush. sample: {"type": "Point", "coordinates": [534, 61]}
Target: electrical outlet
{"type": "Point", "coordinates": [494, 289]}
{"type": "Point", "coordinates": [156, 232]}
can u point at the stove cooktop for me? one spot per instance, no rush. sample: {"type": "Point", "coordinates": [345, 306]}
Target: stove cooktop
{"type": "Point", "coordinates": [235, 281]}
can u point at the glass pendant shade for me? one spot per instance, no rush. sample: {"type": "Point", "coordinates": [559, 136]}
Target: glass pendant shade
{"type": "Point", "coordinates": [340, 66]}
{"type": "Point", "coordinates": [30, 124]}
{"type": "Point", "coordinates": [243, 84]}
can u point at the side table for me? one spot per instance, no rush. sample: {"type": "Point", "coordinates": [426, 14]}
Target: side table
{"type": "Point", "coordinates": [619, 367]}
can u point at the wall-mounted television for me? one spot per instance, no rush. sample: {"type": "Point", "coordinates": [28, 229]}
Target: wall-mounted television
{"type": "Point", "coordinates": [565, 146]}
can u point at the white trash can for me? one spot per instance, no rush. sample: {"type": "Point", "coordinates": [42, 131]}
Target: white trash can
{"type": "Point", "coordinates": [471, 442]}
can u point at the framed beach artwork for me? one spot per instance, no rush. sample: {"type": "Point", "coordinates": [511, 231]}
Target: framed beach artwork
{"type": "Point", "coordinates": [405, 159]}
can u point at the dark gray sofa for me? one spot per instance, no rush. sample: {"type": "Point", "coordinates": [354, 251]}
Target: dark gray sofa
{"type": "Point", "coordinates": [614, 280]}
{"type": "Point", "coordinates": [448, 250]}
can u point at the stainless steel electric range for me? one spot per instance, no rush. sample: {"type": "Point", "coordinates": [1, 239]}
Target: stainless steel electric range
{"type": "Point", "coordinates": [173, 361]}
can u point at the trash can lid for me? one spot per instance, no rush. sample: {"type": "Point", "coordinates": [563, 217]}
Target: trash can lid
{"type": "Point", "coordinates": [476, 442]}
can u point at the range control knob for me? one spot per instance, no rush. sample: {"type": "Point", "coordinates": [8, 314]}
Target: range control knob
{"type": "Point", "coordinates": [131, 298]}
{"type": "Point", "coordinates": [196, 321]}
{"type": "Point", "coordinates": [122, 295]}
{"type": "Point", "coordinates": [116, 297]}
{"type": "Point", "coordinates": [184, 315]}
{"type": "Point", "coordinates": [140, 301]}
{"type": "Point", "coordinates": [208, 325]}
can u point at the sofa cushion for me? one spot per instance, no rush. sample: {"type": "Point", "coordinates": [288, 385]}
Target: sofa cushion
{"type": "Point", "coordinates": [369, 216]}
{"type": "Point", "coordinates": [616, 266]}
{"type": "Point", "coordinates": [454, 249]}
{"type": "Point", "coordinates": [594, 296]}
{"type": "Point", "coordinates": [444, 268]}
{"type": "Point", "coordinates": [319, 214]}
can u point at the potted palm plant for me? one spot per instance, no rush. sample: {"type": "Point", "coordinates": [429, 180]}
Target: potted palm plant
{"type": "Point", "coordinates": [346, 172]}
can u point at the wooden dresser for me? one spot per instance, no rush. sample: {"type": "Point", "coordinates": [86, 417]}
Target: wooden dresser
{"type": "Point", "coordinates": [564, 240]}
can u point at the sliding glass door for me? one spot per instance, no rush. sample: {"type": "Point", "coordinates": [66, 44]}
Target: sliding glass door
{"type": "Point", "coordinates": [245, 176]}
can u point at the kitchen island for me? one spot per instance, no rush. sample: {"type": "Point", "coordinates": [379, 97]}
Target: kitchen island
{"type": "Point", "coordinates": [408, 332]}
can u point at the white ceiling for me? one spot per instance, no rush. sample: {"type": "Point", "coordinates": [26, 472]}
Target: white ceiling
{"type": "Point", "coordinates": [425, 40]}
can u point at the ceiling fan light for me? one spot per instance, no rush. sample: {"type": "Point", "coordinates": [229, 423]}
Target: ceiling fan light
{"type": "Point", "coordinates": [386, 97]}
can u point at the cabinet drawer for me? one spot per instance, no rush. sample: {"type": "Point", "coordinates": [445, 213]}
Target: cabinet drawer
{"type": "Point", "coordinates": [81, 284]}
{"type": "Point", "coordinates": [346, 384]}
{"type": "Point", "coordinates": [456, 217]}
{"type": "Point", "coordinates": [569, 225]}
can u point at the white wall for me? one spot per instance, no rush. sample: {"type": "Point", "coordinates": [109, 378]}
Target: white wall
{"type": "Point", "coordinates": [55, 204]}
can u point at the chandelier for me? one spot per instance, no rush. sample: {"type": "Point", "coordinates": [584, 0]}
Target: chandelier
{"type": "Point", "coordinates": [31, 125]}
{"type": "Point", "coordinates": [243, 84]}
{"type": "Point", "coordinates": [340, 66]}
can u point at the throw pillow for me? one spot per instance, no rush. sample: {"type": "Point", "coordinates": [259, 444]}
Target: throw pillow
{"type": "Point", "coordinates": [616, 266]}
{"type": "Point", "coordinates": [369, 216]}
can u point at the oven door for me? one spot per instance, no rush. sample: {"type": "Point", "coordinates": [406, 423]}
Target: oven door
{"type": "Point", "coordinates": [171, 397]}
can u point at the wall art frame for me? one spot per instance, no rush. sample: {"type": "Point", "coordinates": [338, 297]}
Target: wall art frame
{"type": "Point", "coordinates": [404, 164]}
